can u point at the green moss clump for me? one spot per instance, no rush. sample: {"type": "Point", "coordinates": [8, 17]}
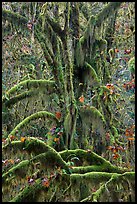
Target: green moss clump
{"type": "Point", "coordinates": [40, 114]}
{"type": "Point", "coordinates": [131, 65]}
{"type": "Point", "coordinates": [18, 170]}
{"type": "Point", "coordinates": [92, 116]}
{"type": "Point", "coordinates": [90, 75]}
{"type": "Point", "coordinates": [31, 84]}
{"type": "Point", "coordinates": [79, 55]}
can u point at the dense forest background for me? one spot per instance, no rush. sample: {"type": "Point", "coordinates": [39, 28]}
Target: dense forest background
{"type": "Point", "coordinates": [68, 101]}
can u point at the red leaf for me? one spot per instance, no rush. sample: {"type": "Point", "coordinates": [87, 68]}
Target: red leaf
{"type": "Point", "coordinates": [45, 182]}
{"type": "Point", "coordinates": [81, 99]}
{"type": "Point", "coordinates": [12, 137]}
{"type": "Point", "coordinates": [58, 115]}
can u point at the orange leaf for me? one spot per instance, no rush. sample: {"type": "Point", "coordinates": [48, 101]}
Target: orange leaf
{"type": "Point", "coordinates": [56, 139]}
{"type": "Point", "coordinates": [116, 50]}
{"type": "Point", "coordinates": [131, 138]}
{"type": "Point", "coordinates": [58, 115]}
{"type": "Point", "coordinates": [45, 182]}
{"type": "Point", "coordinates": [129, 132]}
{"type": "Point", "coordinates": [11, 161]}
{"type": "Point", "coordinates": [115, 150]}
{"type": "Point", "coordinates": [110, 147]}
{"type": "Point", "coordinates": [110, 86]}
{"type": "Point", "coordinates": [81, 99]}
{"type": "Point", "coordinates": [115, 156]}
{"type": "Point", "coordinates": [22, 139]}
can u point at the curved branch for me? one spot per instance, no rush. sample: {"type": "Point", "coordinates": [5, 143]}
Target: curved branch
{"type": "Point", "coordinates": [112, 180]}
{"type": "Point", "coordinates": [19, 97]}
{"type": "Point", "coordinates": [31, 84]}
{"type": "Point", "coordinates": [40, 114]}
{"type": "Point", "coordinates": [15, 18]}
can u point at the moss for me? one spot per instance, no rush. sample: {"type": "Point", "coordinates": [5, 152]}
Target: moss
{"type": "Point", "coordinates": [83, 155]}
{"type": "Point", "coordinates": [36, 146]}
{"type": "Point", "coordinates": [106, 167]}
{"type": "Point", "coordinates": [19, 97]}
{"type": "Point", "coordinates": [31, 84]}
{"type": "Point", "coordinates": [52, 159]}
{"type": "Point", "coordinates": [79, 55]}
{"type": "Point", "coordinates": [67, 126]}
{"type": "Point", "coordinates": [131, 65]}
{"type": "Point", "coordinates": [90, 75]}
{"type": "Point", "coordinates": [92, 116]}
{"type": "Point", "coordinates": [12, 146]}
{"type": "Point", "coordinates": [18, 170]}
{"type": "Point", "coordinates": [15, 18]}
{"type": "Point", "coordinates": [106, 12]}
{"type": "Point", "coordinates": [30, 192]}
{"type": "Point", "coordinates": [40, 114]}
{"type": "Point", "coordinates": [115, 179]}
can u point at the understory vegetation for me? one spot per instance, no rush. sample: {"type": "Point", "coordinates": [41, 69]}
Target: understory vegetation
{"type": "Point", "coordinates": [68, 101]}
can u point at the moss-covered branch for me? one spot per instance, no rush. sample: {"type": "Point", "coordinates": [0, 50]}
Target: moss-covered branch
{"type": "Point", "coordinates": [32, 84]}
{"type": "Point", "coordinates": [86, 158]}
{"type": "Point", "coordinates": [115, 179]}
{"type": "Point", "coordinates": [88, 37]}
{"type": "Point", "coordinates": [40, 114]}
{"type": "Point", "coordinates": [19, 97]}
{"type": "Point", "coordinates": [50, 158]}
{"type": "Point", "coordinates": [55, 26]}
{"type": "Point", "coordinates": [18, 170]}
{"type": "Point", "coordinates": [27, 194]}
{"type": "Point", "coordinates": [15, 18]}
{"type": "Point", "coordinates": [107, 11]}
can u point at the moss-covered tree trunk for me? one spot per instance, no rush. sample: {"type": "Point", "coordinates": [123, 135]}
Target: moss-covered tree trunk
{"type": "Point", "coordinates": [67, 166]}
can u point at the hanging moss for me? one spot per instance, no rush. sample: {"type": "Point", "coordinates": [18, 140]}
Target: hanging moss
{"type": "Point", "coordinates": [19, 97]}
{"type": "Point", "coordinates": [40, 114]}
{"type": "Point", "coordinates": [90, 75]}
{"type": "Point", "coordinates": [16, 18]}
{"type": "Point", "coordinates": [13, 146]}
{"type": "Point", "coordinates": [79, 55]}
{"type": "Point", "coordinates": [107, 11]}
{"type": "Point", "coordinates": [52, 158]}
{"type": "Point", "coordinates": [102, 44]}
{"type": "Point", "coordinates": [131, 65]}
{"type": "Point", "coordinates": [77, 180]}
{"type": "Point", "coordinates": [31, 84]}
{"type": "Point", "coordinates": [91, 116]}
{"type": "Point", "coordinates": [114, 180]}
{"type": "Point", "coordinates": [67, 126]}
{"type": "Point", "coordinates": [18, 170]}
{"type": "Point", "coordinates": [27, 195]}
